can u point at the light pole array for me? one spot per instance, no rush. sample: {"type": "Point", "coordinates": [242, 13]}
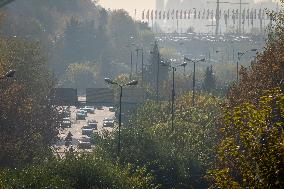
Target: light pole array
{"type": "Point", "coordinates": [240, 54]}
{"type": "Point", "coordinates": [131, 83]}
{"type": "Point", "coordinates": [193, 82]}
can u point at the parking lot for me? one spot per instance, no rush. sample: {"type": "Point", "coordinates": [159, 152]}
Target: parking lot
{"type": "Point", "coordinates": [76, 128]}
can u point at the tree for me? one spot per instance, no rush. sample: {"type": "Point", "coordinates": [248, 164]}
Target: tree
{"type": "Point", "coordinates": [251, 153]}
{"type": "Point", "coordinates": [155, 72]}
{"type": "Point", "coordinates": [29, 121]}
{"type": "Point", "coordinates": [266, 72]}
{"type": "Point", "coordinates": [209, 82]}
{"type": "Point", "coordinates": [80, 76]}
{"type": "Point", "coordinates": [177, 158]}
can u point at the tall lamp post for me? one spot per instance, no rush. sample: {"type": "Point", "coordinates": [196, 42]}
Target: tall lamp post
{"type": "Point", "coordinates": [131, 83]}
{"type": "Point", "coordinates": [174, 69]}
{"type": "Point", "coordinates": [240, 54]}
{"type": "Point", "coordinates": [9, 74]}
{"type": "Point", "coordinates": [193, 82]}
{"type": "Point", "coordinates": [142, 63]}
{"type": "Point", "coordinates": [131, 45]}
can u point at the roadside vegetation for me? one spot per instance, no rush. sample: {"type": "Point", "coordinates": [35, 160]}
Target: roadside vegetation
{"type": "Point", "coordinates": [223, 141]}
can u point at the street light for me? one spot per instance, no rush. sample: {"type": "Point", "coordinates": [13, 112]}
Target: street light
{"type": "Point", "coordinates": [183, 65]}
{"type": "Point", "coordinates": [174, 68]}
{"type": "Point", "coordinates": [142, 62]}
{"type": "Point", "coordinates": [9, 74]}
{"type": "Point", "coordinates": [193, 83]}
{"type": "Point", "coordinates": [240, 54]}
{"type": "Point", "coordinates": [158, 73]}
{"type": "Point", "coordinates": [130, 45]}
{"type": "Point", "coordinates": [131, 83]}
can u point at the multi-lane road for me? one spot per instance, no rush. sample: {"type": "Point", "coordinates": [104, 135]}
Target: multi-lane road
{"type": "Point", "coordinates": [76, 128]}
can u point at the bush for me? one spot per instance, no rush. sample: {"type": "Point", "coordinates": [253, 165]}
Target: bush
{"type": "Point", "coordinates": [84, 171]}
{"type": "Point", "coordinates": [176, 158]}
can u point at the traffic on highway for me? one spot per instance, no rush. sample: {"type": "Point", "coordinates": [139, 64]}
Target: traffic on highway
{"type": "Point", "coordinates": [81, 124]}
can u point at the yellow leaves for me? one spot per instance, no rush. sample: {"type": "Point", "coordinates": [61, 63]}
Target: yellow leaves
{"type": "Point", "coordinates": [253, 138]}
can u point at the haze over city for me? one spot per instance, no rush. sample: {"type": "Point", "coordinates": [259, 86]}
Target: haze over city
{"type": "Point", "coordinates": [131, 5]}
{"type": "Point", "coordinates": [141, 94]}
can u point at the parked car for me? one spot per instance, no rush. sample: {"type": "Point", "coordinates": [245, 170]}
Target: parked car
{"type": "Point", "coordinates": [87, 130]}
{"type": "Point", "coordinates": [84, 143]}
{"type": "Point", "coordinates": [84, 110]}
{"type": "Point", "coordinates": [100, 107]}
{"type": "Point", "coordinates": [111, 109]}
{"type": "Point", "coordinates": [66, 113]}
{"type": "Point", "coordinates": [93, 125]}
{"type": "Point", "coordinates": [66, 123]}
{"type": "Point", "coordinates": [80, 115]}
{"type": "Point", "coordinates": [90, 109]}
{"type": "Point", "coordinates": [108, 122]}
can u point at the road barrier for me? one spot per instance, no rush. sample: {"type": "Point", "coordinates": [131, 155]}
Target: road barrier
{"type": "Point", "coordinates": [99, 96]}
{"type": "Point", "coordinates": [65, 96]}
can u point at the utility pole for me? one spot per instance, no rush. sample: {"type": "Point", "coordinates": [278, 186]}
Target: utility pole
{"type": "Point", "coordinates": [112, 82]}
{"type": "Point", "coordinates": [158, 72]}
{"type": "Point", "coordinates": [142, 66]}
{"type": "Point", "coordinates": [240, 15]}
{"type": "Point", "coordinates": [137, 56]}
{"type": "Point", "coordinates": [218, 14]}
{"type": "Point", "coordinates": [193, 81]}
{"type": "Point", "coordinates": [217, 17]}
{"type": "Point", "coordinates": [131, 64]}
{"type": "Point", "coordinates": [173, 98]}
{"type": "Point", "coordinates": [174, 69]}
{"type": "Point", "coordinates": [212, 25]}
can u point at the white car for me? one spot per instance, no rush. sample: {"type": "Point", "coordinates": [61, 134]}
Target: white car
{"type": "Point", "coordinates": [108, 122]}
{"type": "Point", "coordinates": [90, 109]}
{"type": "Point", "coordinates": [66, 122]}
{"type": "Point", "coordinates": [111, 109]}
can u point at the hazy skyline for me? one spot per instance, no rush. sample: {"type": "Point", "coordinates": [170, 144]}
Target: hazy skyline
{"type": "Point", "coordinates": [131, 5]}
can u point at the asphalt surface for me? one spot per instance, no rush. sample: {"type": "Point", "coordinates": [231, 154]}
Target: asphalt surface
{"type": "Point", "coordinates": [76, 128]}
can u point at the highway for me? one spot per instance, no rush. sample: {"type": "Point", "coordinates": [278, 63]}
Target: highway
{"type": "Point", "coordinates": [76, 128]}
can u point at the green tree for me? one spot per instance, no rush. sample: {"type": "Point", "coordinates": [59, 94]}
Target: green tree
{"type": "Point", "coordinates": [80, 76]}
{"type": "Point", "coordinates": [251, 154]}
{"type": "Point", "coordinates": [84, 171]}
{"type": "Point", "coordinates": [28, 119]}
{"type": "Point", "coordinates": [209, 82]}
{"type": "Point", "coordinates": [177, 158]}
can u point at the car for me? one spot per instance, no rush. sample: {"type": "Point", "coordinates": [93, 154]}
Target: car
{"type": "Point", "coordinates": [93, 125]}
{"type": "Point", "coordinates": [84, 110]}
{"type": "Point", "coordinates": [80, 115]}
{"type": "Point", "coordinates": [100, 107]}
{"type": "Point", "coordinates": [66, 123]}
{"type": "Point", "coordinates": [111, 109]}
{"type": "Point", "coordinates": [108, 122]}
{"type": "Point", "coordinates": [90, 109]}
{"type": "Point", "coordinates": [87, 130]}
{"type": "Point", "coordinates": [66, 113]}
{"type": "Point", "coordinates": [84, 143]}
